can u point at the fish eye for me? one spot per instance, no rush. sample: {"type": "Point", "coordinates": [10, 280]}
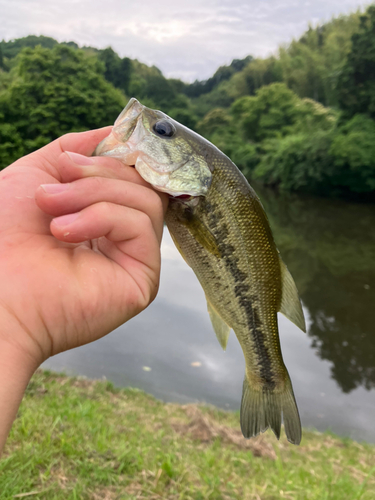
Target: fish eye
{"type": "Point", "coordinates": [164, 128]}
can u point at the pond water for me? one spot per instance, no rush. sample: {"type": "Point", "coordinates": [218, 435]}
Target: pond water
{"type": "Point", "coordinates": [171, 351]}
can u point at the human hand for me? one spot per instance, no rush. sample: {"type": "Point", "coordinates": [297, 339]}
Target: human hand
{"type": "Point", "coordinates": [79, 246]}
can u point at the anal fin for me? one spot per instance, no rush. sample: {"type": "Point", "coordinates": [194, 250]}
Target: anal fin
{"type": "Point", "coordinates": [290, 302]}
{"type": "Point", "coordinates": [221, 328]}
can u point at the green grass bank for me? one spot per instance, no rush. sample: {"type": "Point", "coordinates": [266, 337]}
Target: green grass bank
{"type": "Point", "coordinates": [81, 439]}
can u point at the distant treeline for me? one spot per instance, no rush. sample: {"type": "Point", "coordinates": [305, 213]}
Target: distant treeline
{"type": "Point", "coordinates": [302, 120]}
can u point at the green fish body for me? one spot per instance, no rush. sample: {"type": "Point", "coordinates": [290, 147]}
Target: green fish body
{"type": "Point", "coordinates": [219, 226]}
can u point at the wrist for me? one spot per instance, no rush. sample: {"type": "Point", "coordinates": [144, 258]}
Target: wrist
{"type": "Point", "coordinates": [17, 366]}
{"type": "Point", "coordinates": [20, 340]}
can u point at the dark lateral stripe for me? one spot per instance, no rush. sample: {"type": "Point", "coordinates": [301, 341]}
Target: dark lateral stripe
{"type": "Point", "coordinates": [261, 349]}
{"type": "Point", "coordinates": [242, 292]}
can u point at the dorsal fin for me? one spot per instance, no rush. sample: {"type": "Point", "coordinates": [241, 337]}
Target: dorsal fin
{"type": "Point", "coordinates": [290, 302]}
{"type": "Point", "coordinates": [221, 328]}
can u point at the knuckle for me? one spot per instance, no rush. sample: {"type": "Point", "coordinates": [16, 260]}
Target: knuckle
{"type": "Point", "coordinates": [66, 139]}
{"type": "Point", "coordinates": [155, 203]}
{"type": "Point", "coordinates": [104, 208]}
{"type": "Point", "coordinates": [144, 221]}
{"type": "Point", "coordinates": [110, 166]}
{"type": "Point", "coordinates": [155, 199]}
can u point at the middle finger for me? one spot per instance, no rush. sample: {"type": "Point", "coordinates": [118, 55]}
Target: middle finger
{"type": "Point", "coordinates": [62, 199]}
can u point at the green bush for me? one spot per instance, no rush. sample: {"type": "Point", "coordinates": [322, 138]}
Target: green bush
{"type": "Point", "coordinates": [275, 111]}
{"type": "Point", "coordinates": [270, 113]}
{"type": "Point", "coordinates": [339, 161]}
{"type": "Point", "coordinates": [299, 162]}
{"type": "Point", "coordinates": [184, 116]}
{"type": "Point", "coordinates": [53, 92]}
{"type": "Point", "coordinates": [353, 150]}
{"type": "Point", "coordinates": [11, 144]}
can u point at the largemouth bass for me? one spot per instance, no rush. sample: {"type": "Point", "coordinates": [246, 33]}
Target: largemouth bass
{"type": "Point", "coordinates": [219, 226]}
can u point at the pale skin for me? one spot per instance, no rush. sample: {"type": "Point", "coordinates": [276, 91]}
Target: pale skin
{"type": "Point", "coordinates": [79, 255]}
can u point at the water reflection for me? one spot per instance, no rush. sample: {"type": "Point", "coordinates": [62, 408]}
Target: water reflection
{"type": "Point", "coordinates": [329, 246]}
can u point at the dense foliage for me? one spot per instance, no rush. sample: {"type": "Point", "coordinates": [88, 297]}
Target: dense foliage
{"type": "Point", "coordinates": [356, 85]}
{"type": "Point", "coordinates": [52, 92]}
{"type": "Point", "coordinates": [302, 120]}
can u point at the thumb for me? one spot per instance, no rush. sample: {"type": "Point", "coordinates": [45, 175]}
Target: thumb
{"type": "Point", "coordinates": [46, 158]}
{"type": "Point", "coordinates": [83, 143]}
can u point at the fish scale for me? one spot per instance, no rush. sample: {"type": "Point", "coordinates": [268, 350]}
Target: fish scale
{"type": "Point", "coordinates": [239, 307]}
{"type": "Point", "coordinates": [219, 226]}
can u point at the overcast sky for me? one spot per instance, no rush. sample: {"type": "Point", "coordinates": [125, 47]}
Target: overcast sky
{"type": "Point", "coordinates": [187, 39]}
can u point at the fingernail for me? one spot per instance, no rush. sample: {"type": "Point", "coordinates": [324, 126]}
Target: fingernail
{"type": "Point", "coordinates": [54, 188]}
{"type": "Point", "coordinates": [65, 220]}
{"type": "Point", "coordinates": [80, 159]}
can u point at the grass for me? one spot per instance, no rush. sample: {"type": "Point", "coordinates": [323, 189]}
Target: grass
{"type": "Point", "coordinates": [76, 439]}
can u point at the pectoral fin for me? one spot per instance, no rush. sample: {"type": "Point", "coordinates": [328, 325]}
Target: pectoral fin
{"type": "Point", "coordinates": [290, 301]}
{"type": "Point", "coordinates": [203, 235]}
{"type": "Point", "coordinates": [221, 328]}
{"type": "Point", "coordinates": [200, 233]}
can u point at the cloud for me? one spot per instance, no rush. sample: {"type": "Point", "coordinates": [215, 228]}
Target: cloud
{"type": "Point", "coordinates": [188, 39]}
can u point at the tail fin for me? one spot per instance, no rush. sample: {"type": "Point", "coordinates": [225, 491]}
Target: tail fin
{"type": "Point", "coordinates": [261, 409]}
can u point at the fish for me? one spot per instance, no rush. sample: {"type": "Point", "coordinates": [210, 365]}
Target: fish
{"type": "Point", "coordinates": [219, 226]}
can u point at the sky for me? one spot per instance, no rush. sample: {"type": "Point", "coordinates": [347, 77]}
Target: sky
{"type": "Point", "coordinates": [186, 39]}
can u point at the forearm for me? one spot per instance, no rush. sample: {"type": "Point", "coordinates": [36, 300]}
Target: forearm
{"type": "Point", "coordinates": [16, 369]}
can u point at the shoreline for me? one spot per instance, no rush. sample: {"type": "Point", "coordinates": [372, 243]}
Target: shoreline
{"type": "Point", "coordinates": [86, 439]}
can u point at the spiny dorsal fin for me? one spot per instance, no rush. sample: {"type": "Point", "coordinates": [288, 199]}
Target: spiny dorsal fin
{"type": "Point", "coordinates": [221, 328]}
{"type": "Point", "coordinates": [290, 302]}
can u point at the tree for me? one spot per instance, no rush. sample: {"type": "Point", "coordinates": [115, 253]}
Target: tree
{"type": "Point", "coordinates": [222, 74]}
{"type": "Point", "coordinates": [184, 116]}
{"type": "Point", "coordinates": [269, 113]}
{"type": "Point", "coordinates": [160, 91]}
{"type": "Point", "coordinates": [56, 91]}
{"type": "Point", "coordinates": [298, 162]}
{"type": "Point", "coordinates": [340, 161]}
{"type": "Point", "coordinates": [13, 47]}
{"type": "Point", "coordinates": [353, 151]}
{"type": "Point", "coordinates": [311, 65]}
{"type": "Point", "coordinates": [11, 144]}
{"type": "Point", "coordinates": [117, 70]}
{"type": "Point", "coordinates": [217, 119]}
{"type": "Point", "coordinates": [356, 85]}
{"type": "Point", "coordinates": [275, 111]}
{"type": "Point", "coordinates": [261, 72]}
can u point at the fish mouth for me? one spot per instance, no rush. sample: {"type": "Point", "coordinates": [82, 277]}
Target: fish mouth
{"type": "Point", "coordinates": [127, 120]}
{"type": "Point", "coordinates": [116, 144]}
{"type": "Point", "coordinates": [131, 111]}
